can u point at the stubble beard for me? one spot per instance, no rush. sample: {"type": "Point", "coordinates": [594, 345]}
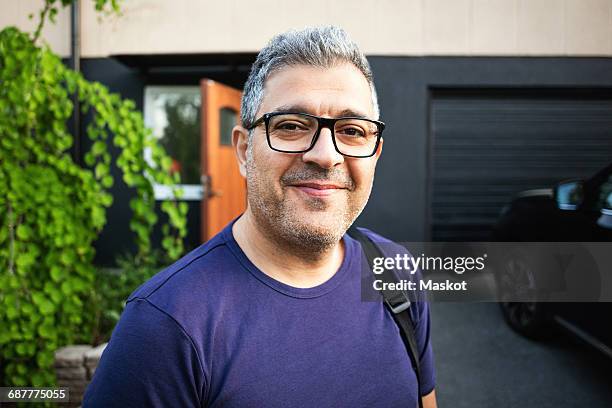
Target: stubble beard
{"type": "Point", "coordinates": [283, 223]}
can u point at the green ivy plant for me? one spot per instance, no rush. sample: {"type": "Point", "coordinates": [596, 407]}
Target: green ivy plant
{"type": "Point", "coordinates": [52, 210]}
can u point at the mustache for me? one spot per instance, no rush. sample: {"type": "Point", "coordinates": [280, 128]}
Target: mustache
{"type": "Point", "coordinates": [315, 173]}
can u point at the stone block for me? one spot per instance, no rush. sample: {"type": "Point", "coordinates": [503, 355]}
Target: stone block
{"type": "Point", "coordinates": [70, 373]}
{"type": "Point", "coordinates": [71, 356]}
{"type": "Point", "coordinates": [92, 357]}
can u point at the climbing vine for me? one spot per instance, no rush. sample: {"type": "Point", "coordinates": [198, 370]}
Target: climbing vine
{"type": "Point", "coordinates": [52, 209]}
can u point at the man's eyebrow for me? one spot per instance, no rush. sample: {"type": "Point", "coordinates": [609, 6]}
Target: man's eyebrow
{"type": "Point", "coordinates": [305, 109]}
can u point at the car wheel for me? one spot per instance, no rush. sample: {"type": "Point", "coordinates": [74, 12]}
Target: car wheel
{"type": "Point", "coordinates": [529, 319]}
{"type": "Point", "coordinates": [518, 292]}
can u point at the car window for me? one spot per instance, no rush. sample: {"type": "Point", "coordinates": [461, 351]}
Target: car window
{"type": "Point", "coordinates": [605, 195]}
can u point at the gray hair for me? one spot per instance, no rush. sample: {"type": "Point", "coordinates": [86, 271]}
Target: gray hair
{"type": "Point", "coordinates": [324, 47]}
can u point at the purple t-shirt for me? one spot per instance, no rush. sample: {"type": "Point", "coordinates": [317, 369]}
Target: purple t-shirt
{"type": "Point", "coordinates": [212, 330]}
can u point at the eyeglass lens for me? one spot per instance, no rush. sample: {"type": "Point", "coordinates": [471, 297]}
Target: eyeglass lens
{"type": "Point", "coordinates": [295, 132]}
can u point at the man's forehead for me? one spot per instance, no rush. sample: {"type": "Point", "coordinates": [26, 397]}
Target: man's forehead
{"type": "Point", "coordinates": [305, 108]}
{"type": "Point", "coordinates": [342, 89]}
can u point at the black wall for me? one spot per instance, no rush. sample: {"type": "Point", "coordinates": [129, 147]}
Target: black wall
{"type": "Point", "coordinates": [116, 236]}
{"type": "Point", "coordinates": [400, 203]}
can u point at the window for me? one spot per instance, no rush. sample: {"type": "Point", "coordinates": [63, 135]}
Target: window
{"type": "Point", "coordinates": [228, 119]}
{"type": "Point", "coordinates": [605, 196]}
{"type": "Point", "coordinates": [173, 113]}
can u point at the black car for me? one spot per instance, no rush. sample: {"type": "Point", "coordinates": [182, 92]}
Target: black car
{"type": "Point", "coordinates": [572, 211]}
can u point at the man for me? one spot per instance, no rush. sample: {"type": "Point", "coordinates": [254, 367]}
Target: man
{"type": "Point", "coordinates": [268, 313]}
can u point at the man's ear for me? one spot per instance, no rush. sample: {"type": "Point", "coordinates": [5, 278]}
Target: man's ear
{"type": "Point", "coordinates": [379, 148]}
{"type": "Point", "coordinates": [240, 142]}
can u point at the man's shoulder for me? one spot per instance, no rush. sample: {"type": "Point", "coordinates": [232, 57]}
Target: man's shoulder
{"type": "Point", "coordinates": [386, 245]}
{"type": "Point", "coordinates": [374, 236]}
{"type": "Point", "coordinates": [192, 270]}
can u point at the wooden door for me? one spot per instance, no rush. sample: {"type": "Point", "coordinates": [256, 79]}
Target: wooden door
{"type": "Point", "coordinates": [224, 188]}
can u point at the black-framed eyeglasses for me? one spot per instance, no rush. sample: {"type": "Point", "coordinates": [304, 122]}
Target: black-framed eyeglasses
{"type": "Point", "coordinates": [297, 132]}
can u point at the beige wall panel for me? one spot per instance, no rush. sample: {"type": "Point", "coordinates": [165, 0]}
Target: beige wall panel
{"type": "Point", "coordinates": [186, 26]}
{"type": "Point", "coordinates": [446, 26]}
{"type": "Point", "coordinates": [383, 27]}
{"type": "Point", "coordinates": [15, 13]}
{"type": "Point", "coordinates": [369, 22]}
{"type": "Point", "coordinates": [494, 27]}
{"type": "Point", "coordinates": [541, 27]}
{"type": "Point", "coordinates": [588, 27]}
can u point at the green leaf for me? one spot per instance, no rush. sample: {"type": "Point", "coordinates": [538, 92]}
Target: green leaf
{"type": "Point", "coordinates": [56, 296]}
{"type": "Point", "coordinates": [183, 207]}
{"type": "Point", "coordinates": [98, 217]}
{"type": "Point", "coordinates": [13, 282]}
{"type": "Point", "coordinates": [45, 358]}
{"type": "Point", "coordinates": [45, 331]}
{"type": "Point", "coordinates": [27, 309]}
{"type": "Point", "coordinates": [52, 14]}
{"type": "Point", "coordinates": [66, 288]}
{"type": "Point", "coordinates": [24, 261]}
{"type": "Point", "coordinates": [89, 159]}
{"type": "Point", "coordinates": [47, 307]}
{"type": "Point", "coordinates": [106, 200]}
{"type": "Point", "coordinates": [67, 258]}
{"type": "Point", "coordinates": [151, 217]}
{"type": "Point", "coordinates": [57, 273]}
{"type": "Point", "coordinates": [37, 298]}
{"type": "Point", "coordinates": [167, 243]}
{"type": "Point", "coordinates": [107, 181]}
{"type": "Point", "coordinates": [166, 163]}
{"type": "Point", "coordinates": [11, 312]}
{"type": "Point", "coordinates": [21, 349]}
{"type": "Point", "coordinates": [24, 232]}
{"type": "Point", "coordinates": [101, 170]}
{"type": "Point", "coordinates": [98, 148]}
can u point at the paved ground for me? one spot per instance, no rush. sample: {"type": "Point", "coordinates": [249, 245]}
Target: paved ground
{"type": "Point", "coordinates": [481, 362]}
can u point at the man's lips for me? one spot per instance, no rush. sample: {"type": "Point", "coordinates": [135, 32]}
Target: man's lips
{"type": "Point", "coordinates": [318, 189]}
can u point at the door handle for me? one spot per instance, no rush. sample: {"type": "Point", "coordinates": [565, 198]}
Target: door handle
{"type": "Point", "coordinates": [207, 191]}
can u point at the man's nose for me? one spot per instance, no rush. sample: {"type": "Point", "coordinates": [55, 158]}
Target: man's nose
{"type": "Point", "coordinates": [323, 153]}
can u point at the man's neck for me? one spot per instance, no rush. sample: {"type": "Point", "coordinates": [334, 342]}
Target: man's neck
{"type": "Point", "coordinates": [282, 262]}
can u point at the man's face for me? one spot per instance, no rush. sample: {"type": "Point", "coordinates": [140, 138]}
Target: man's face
{"type": "Point", "coordinates": [311, 198]}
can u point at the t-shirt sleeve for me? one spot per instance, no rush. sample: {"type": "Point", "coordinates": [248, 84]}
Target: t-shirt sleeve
{"type": "Point", "coordinates": [422, 334]}
{"type": "Point", "coordinates": [149, 362]}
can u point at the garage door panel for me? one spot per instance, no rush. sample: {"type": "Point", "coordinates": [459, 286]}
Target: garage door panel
{"type": "Point", "coordinates": [489, 145]}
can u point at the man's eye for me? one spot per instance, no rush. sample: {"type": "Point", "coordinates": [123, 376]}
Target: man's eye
{"type": "Point", "coordinates": [352, 131]}
{"type": "Point", "coordinates": [290, 126]}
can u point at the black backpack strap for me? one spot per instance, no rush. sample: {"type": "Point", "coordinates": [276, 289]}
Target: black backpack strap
{"type": "Point", "coordinates": [397, 302]}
